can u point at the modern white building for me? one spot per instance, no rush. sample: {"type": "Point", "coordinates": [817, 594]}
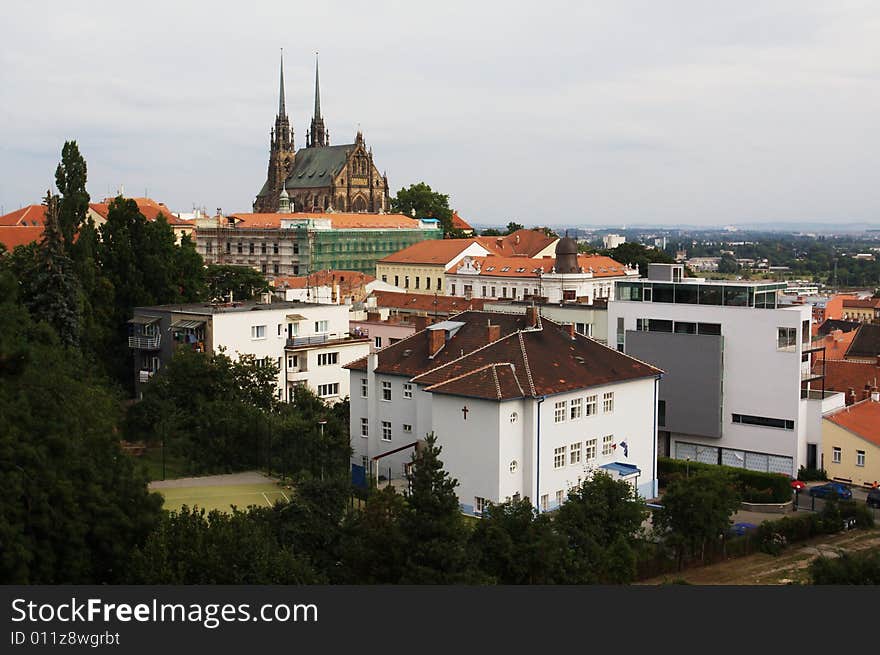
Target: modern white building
{"type": "Point", "coordinates": [737, 388]}
{"type": "Point", "coordinates": [611, 241]}
{"type": "Point", "coordinates": [569, 277]}
{"type": "Point", "coordinates": [521, 406]}
{"type": "Point", "coordinates": [310, 343]}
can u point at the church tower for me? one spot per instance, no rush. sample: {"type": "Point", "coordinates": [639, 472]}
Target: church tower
{"type": "Point", "coordinates": [281, 155]}
{"type": "Point", "coordinates": [319, 135]}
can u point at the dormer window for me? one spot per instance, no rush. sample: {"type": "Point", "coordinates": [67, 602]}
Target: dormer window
{"type": "Point", "coordinates": [520, 270]}
{"type": "Point", "coordinates": [505, 269]}
{"type": "Point", "coordinates": [490, 268]}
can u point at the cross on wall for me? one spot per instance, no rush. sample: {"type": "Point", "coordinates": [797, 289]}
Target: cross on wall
{"type": "Point", "coordinates": [464, 411]}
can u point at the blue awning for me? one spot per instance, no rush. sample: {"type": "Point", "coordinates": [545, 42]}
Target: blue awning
{"type": "Point", "coordinates": [623, 470]}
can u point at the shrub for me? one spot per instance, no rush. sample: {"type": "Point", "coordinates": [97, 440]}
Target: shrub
{"type": "Point", "coordinates": [811, 475]}
{"type": "Point", "coordinates": [753, 486]}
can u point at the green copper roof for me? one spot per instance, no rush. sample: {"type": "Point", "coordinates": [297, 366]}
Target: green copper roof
{"type": "Point", "coordinates": [316, 167]}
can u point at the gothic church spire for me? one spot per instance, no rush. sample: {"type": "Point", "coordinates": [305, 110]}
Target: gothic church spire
{"type": "Point", "coordinates": [319, 136]}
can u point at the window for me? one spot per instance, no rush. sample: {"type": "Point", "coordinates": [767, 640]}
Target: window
{"type": "Point", "coordinates": [407, 427]}
{"type": "Point", "coordinates": [607, 445]}
{"type": "Point", "coordinates": [608, 402]}
{"type": "Point", "coordinates": [709, 328]}
{"type": "Point", "coordinates": [326, 390]}
{"type": "Point", "coordinates": [228, 248]}
{"type": "Point", "coordinates": [591, 406]}
{"type": "Point", "coordinates": [258, 332]}
{"type": "Point", "coordinates": [661, 413]}
{"type": "Point", "coordinates": [364, 388]}
{"type": "Point", "coordinates": [860, 458]}
{"type": "Point", "coordinates": [589, 450]}
{"type": "Point", "coordinates": [484, 292]}
{"type": "Point", "coordinates": [208, 248]}
{"type": "Point", "coordinates": [836, 455]}
{"type": "Point", "coordinates": [407, 390]}
{"type": "Point", "coordinates": [274, 248]}
{"type": "Point", "coordinates": [240, 248]}
{"type": "Point", "coordinates": [328, 359]}
{"type": "Point", "coordinates": [452, 289]}
{"type": "Point", "coordinates": [504, 292]}
{"type": "Point", "coordinates": [513, 466]}
{"type": "Point", "coordinates": [293, 362]}
{"type": "Point", "coordinates": [544, 502]}
{"type": "Point", "coordinates": [251, 248]}
{"type": "Point", "coordinates": [279, 329]}
{"type": "Point", "coordinates": [513, 417]}
{"type": "Point", "coordinates": [559, 457]}
{"type": "Point", "coordinates": [322, 326]}
{"type": "Point", "coordinates": [493, 293]}
{"type": "Point", "coordinates": [575, 411]}
{"type": "Point", "coordinates": [559, 414]}
{"type": "Point", "coordinates": [584, 328]}
{"type": "Point", "coordinates": [378, 341]}
{"type": "Point", "coordinates": [384, 278]}
{"type": "Point", "coordinates": [397, 280]}
{"type": "Point", "coordinates": [764, 421]}
{"type": "Point", "coordinates": [386, 430]}
{"type": "Point", "coordinates": [275, 269]}
{"type": "Point", "coordinates": [480, 505]}
{"type": "Point", "coordinates": [386, 391]}
{"type": "Point", "coordinates": [439, 284]}
{"type": "Point", "coordinates": [559, 496]}
{"type": "Point", "coordinates": [365, 427]}
{"type": "Point", "coordinates": [786, 338]}
{"type": "Point", "coordinates": [574, 453]}
{"type": "Point", "coordinates": [406, 282]}
{"type": "Point", "coordinates": [296, 247]}
{"type": "Point", "coordinates": [263, 248]}
{"type": "Point", "coordinates": [417, 282]}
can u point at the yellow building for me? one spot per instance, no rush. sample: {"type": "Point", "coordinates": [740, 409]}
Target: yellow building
{"type": "Point", "coordinates": [422, 266]}
{"type": "Point", "coordinates": [851, 443]}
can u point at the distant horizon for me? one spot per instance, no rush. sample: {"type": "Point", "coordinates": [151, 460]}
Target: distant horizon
{"type": "Point", "coordinates": [692, 114]}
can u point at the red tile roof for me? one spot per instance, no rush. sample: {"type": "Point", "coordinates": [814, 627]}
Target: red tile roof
{"type": "Point", "coordinates": [836, 344]}
{"type": "Point", "coordinates": [864, 303]}
{"type": "Point", "coordinates": [32, 216]}
{"type": "Point", "coordinates": [345, 280]}
{"type": "Point", "coordinates": [339, 221]}
{"type": "Point", "coordinates": [147, 206]}
{"type": "Point", "coordinates": [495, 265]}
{"type": "Point", "coordinates": [459, 223]}
{"type": "Point", "coordinates": [433, 251]}
{"type": "Point", "coordinates": [12, 236]}
{"type": "Point", "coordinates": [842, 375]}
{"type": "Point", "coordinates": [862, 419]}
{"type": "Point", "coordinates": [425, 302]}
{"type": "Point", "coordinates": [521, 242]}
{"type": "Point", "coordinates": [521, 363]}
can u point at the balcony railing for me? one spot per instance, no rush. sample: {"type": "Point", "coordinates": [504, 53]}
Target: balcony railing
{"type": "Point", "coordinates": [144, 342]}
{"type": "Point", "coordinates": [307, 341]}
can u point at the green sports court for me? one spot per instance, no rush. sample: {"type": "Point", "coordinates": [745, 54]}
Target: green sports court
{"type": "Point", "coordinates": [222, 492]}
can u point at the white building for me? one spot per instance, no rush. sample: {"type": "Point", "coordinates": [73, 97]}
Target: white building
{"type": "Point", "coordinates": [309, 342]}
{"type": "Point", "coordinates": [569, 277]}
{"type": "Point", "coordinates": [611, 241]}
{"type": "Point", "coordinates": [521, 406]}
{"type": "Point", "coordinates": [737, 383]}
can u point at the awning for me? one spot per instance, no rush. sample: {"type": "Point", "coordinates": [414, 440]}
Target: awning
{"type": "Point", "coordinates": [185, 325]}
{"type": "Point", "coordinates": [296, 317]}
{"type": "Point", "coordinates": [622, 470]}
{"type": "Point", "coordinates": [143, 320]}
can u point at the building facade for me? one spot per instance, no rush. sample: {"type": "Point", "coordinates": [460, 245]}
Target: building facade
{"type": "Point", "coordinates": [521, 406]}
{"type": "Point", "coordinates": [851, 443]}
{"type": "Point", "coordinates": [422, 266]}
{"type": "Point", "coordinates": [738, 387]}
{"type": "Point", "coordinates": [319, 177]}
{"type": "Point", "coordinates": [308, 342]}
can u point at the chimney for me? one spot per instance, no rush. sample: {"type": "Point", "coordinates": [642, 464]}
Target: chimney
{"type": "Point", "coordinates": [531, 316]}
{"type": "Point", "coordinates": [866, 392]}
{"type": "Point", "coordinates": [569, 330]}
{"type": "Point", "coordinates": [421, 322]}
{"type": "Point", "coordinates": [850, 396]}
{"type": "Point", "coordinates": [875, 395]}
{"type": "Point", "coordinates": [436, 340]}
{"type": "Point", "coordinates": [494, 331]}
{"type": "Point", "coordinates": [373, 316]}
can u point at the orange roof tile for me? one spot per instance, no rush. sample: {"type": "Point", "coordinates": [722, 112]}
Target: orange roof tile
{"type": "Point", "coordinates": [864, 303]}
{"type": "Point", "coordinates": [339, 221]}
{"type": "Point", "coordinates": [842, 375]}
{"type": "Point", "coordinates": [425, 302]}
{"type": "Point", "coordinates": [521, 242]}
{"type": "Point", "coordinates": [500, 266]}
{"type": "Point", "coordinates": [13, 235]}
{"type": "Point", "coordinates": [146, 206]}
{"type": "Point", "coordinates": [459, 223]}
{"type": "Point", "coordinates": [836, 344]}
{"type": "Point", "coordinates": [862, 419]}
{"type": "Point", "coordinates": [30, 216]}
{"type": "Point", "coordinates": [433, 251]}
{"type": "Point", "coordinates": [345, 280]}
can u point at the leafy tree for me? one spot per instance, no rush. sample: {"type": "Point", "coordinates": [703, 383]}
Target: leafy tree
{"type": "Point", "coordinates": [861, 568]}
{"type": "Point", "coordinates": [513, 227]}
{"type": "Point", "coordinates": [195, 547]}
{"type": "Point", "coordinates": [426, 203]}
{"type": "Point", "coordinates": [374, 544]}
{"type": "Point", "coordinates": [727, 264]}
{"type": "Point", "coordinates": [243, 282]}
{"type": "Point", "coordinates": [433, 522]}
{"type": "Point", "coordinates": [636, 253]}
{"type": "Point", "coordinates": [696, 511]}
{"type": "Point", "coordinates": [491, 232]}
{"type": "Point", "coordinates": [513, 544]}
{"type": "Point", "coordinates": [599, 522]}
{"type": "Point", "coordinates": [73, 505]}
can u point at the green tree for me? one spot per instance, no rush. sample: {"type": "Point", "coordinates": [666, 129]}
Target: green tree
{"type": "Point", "coordinates": [600, 523]}
{"type": "Point", "coordinates": [433, 522]}
{"type": "Point", "coordinates": [374, 544]}
{"type": "Point", "coordinates": [636, 253]}
{"type": "Point", "coordinates": [861, 568]}
{"type": "Point", "coordinates": [70, 178]}
{"type": "Point", "coordinates": [491, 232]}
{"type": "Point", "coordinates": [727, 264]}
{"type": "Point", "coordinates": [426, 203]}
{"type": "Point", "coordinates": [513, 227]}
{"type": "Point", "coordinates": [696, 511]}
{"type": "Point", "coordinates": [73, 505]}
{"type": "Point", "coordinates": [243, 282]}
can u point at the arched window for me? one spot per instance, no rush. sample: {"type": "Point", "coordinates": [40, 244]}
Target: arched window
{"type": "Point", "coordinates": [359, 204]}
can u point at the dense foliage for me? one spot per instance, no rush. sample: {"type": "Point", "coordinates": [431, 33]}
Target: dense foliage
{"type": "Point", "coordinates": [752, 486]}
{"type": "Point", "coordinates": [420, 201]}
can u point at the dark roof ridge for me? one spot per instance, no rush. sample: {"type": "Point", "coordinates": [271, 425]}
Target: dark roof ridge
{"type": "Point", "coordinates": [458, 359]}
{"type": "Point", "coordinates": [522, 347]}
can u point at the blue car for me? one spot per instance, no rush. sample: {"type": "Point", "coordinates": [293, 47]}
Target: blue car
{"type": "Point", "coordinates": [835, 489]}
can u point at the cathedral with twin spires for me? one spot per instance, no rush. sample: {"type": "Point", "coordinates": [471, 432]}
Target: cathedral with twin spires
{"type": "Point", "coordinates": [319, 177]}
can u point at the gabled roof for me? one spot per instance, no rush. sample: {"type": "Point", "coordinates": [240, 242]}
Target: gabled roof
{"type": "Point", "coordinates": [831, 324]}
{"type": "Point", "coordinates": [424, 302]}
{"type": "Point", "coordinates": [434, 251]}
{"type": "Point", "coordinates": [526, 267]}
{"type": "Point", "coordinates": [522, 362]}
{"type": "Point", "coordinates": [338, 220]}
{"type": "Point", "coordinates": [862, 419]}
{"type": "Point", "coordinates": [842, 375]}
{"type": "Point", "coordinates": [146, 206]}
{"type": "Point", "coordinates": [12, 236]}
{"type": "Point", "coordinates": [836, 344]}
{"type": "Point", "coordinates": [866, 343]}
{"type": "Point", "coordinates": [316, 167]}
{"type": "Point", "coordinates": [30, 216]}
{"type": "Point", "coordinates": [459, 223]}
{"type": "Point", "coordinates": [865, 303]}
{"type": "Point", "coordinates": [521, 242]}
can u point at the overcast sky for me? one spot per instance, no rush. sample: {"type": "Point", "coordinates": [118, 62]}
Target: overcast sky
{"type": "Point", "coordinates": [605, 112]}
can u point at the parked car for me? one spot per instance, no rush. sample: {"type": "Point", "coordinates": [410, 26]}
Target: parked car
{"type": "Point", "coordinates": [798, 485]}
{"type": "Point", "coordinates": [739, 529]}
{"type": "Point", "coordinates": [873, 499]}
{"type": "Point", "coordinates": [836, 489]}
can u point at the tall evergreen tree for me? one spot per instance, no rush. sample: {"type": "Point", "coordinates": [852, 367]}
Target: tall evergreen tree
{"type": "Point", "coordinates": [70, 178]}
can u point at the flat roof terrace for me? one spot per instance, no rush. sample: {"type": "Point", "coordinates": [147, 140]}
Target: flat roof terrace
{"type": "Point", "coordinates": [699, 291]}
